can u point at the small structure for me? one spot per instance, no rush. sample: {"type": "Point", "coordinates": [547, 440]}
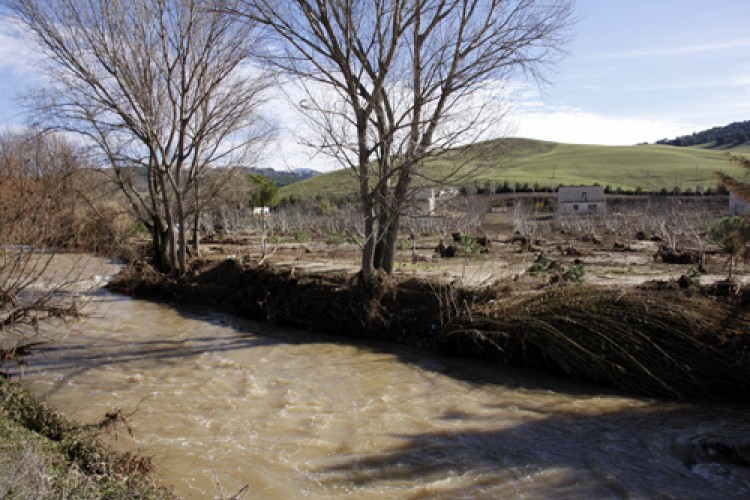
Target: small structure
{"type": "Point", "coordinates": [430, 196]}
{"type": "Point", "coordinates": [738, 206]}
{"type": "Point", "coordinates": [426, 195]}
{"type": "Point", "coordinates": [581, 200]}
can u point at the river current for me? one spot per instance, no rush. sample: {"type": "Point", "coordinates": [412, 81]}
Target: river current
{"type": "Point", "coordinates": [224, 405]}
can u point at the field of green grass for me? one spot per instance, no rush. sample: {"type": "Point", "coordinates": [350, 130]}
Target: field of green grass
{"type": "Point", "coordinates": [650, 167]}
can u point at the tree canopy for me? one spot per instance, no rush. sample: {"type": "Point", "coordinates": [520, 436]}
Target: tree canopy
{"type": "Point", "coordinates": [264, 193]}
{"type": "Point", "coordinates": [161, 85]}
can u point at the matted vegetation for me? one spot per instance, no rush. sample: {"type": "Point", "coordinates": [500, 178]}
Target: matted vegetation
{"type": "Point", "coordinates": [662, 343]}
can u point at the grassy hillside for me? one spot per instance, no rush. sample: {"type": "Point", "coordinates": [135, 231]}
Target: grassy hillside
{"type": "Point", "coordinates": [651, 167]}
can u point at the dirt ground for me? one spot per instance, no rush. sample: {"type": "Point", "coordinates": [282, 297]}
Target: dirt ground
{"type": "Point", "coordinates": [609, 260]}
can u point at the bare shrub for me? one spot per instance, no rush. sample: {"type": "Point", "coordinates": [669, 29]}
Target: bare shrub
{"type": "Point", "coordinates": [35, 178]}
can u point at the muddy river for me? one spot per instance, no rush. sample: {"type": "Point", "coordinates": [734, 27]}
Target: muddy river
{"type": "Point", "coordinates": [225, 405]}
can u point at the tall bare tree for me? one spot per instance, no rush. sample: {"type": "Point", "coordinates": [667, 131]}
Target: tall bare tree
{"type": "Point", "coordinates": [389, 83]}
{"type": "Point", "coordinates": [160, 88]}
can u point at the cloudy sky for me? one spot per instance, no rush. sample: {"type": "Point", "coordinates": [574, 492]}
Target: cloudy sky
{"type": "Point", "coordinates": [637, 71]}
{"type": "Point", "coordinates": [642, 70]}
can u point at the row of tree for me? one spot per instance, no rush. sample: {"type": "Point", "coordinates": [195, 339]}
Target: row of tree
{"type": "Point", "coordinates": [175, 87]}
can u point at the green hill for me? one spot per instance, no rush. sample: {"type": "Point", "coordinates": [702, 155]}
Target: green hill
{"type": "Point", "coordinates": [520, 161]}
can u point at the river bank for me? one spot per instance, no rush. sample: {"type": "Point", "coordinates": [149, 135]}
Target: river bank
{"type": "Point", "coordinates": [658, 339]}
{"type": "Point", "coordinates": [225, 405]}
{"type": "Point", "coordinates": [45, 455]}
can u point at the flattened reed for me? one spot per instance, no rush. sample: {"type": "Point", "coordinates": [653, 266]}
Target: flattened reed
{"type": "Point", "coordinates": [661, 344]}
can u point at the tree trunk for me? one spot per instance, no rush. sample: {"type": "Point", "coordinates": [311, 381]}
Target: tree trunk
{"type": "Point", "coordinates": [264, 236]}
{"type": "Point", "coordinates": [157, 244]}
{"type": "Point", "coordinates": [181, 235]}
{"type": "Point", "coordinates": [397, 206]}
{"type": "Point", "coordinates": [171, 264]}
{"type": "Point", "coordinates": [196, 238]}
{"type": "Point", "coordinates": [381, 240]}
{"type": "Point", "coordinates": [368, 252]}
{"type": "Point", "coordinates": [390, 244]}
{"type": "Point", "coordinates": [368, 249]}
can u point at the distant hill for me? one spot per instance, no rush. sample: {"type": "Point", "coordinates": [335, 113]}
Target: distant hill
{"type": "Point", "coordinates": [283, 177]}
{"type": "Point", "coordinates": [729, 136]}
{"type": "Point", "coordinates": [549, 164]}
{"type": "Point", "coordinates": [279, 177]}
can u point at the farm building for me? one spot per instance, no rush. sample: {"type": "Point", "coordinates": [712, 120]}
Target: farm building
{"type": "Point", "coordinates": [738, 206]}
{"type": "Point", "coordinates": [581, 200]}
{"type": "Point", "coordinates": [430, 196]}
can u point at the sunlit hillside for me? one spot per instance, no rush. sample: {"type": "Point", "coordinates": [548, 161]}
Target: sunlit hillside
{"type": "Point", "coordinates": [650, 167]}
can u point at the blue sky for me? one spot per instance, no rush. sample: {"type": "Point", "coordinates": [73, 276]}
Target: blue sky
{"type": "Point", "coordinates": [642, 70]}
{"type": "Point", "coordinates": [637, 71]}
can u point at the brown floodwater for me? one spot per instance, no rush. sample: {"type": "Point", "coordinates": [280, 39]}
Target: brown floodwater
{"type": "Point", "coordinates": [222, 404]}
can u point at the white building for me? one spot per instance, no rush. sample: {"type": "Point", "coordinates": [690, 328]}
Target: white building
{"type": "Point", "coordinates": [581, 200]}
{"type": "Point", "coordinates": [738, 206]}
{"type": "Point", "coordinates": [430, 196]}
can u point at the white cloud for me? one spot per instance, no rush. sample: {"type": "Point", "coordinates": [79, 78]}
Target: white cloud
{"type": "Point", "coordinates": [739, 80]}
{"type": "Point", "coordinates": [677, 50]}
{"type": "Point", "coordinates": [19, 70]}
{"type": "Point", "coordinates": [288, 153]}
{"type": "Point", "coordinates": [580, 127]}
{"type": "Point", "coordinates": [17, 59]}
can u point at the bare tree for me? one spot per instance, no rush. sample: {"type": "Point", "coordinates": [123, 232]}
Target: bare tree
{"type": "Point", "coordinates": [390, 83]}
{"type": "Point", "coordinates": [739, 241]}
{"type": "Point", "coordinates": [161, 89]}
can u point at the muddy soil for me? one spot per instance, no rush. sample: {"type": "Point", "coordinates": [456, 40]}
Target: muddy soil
{"type": "Point", "coordinates": [609, 259]}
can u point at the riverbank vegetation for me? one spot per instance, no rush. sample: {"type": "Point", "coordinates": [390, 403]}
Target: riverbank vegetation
{"type": "Point", "coordinates": [50, 202]}
{"type": "Point", "coordinates": [44, 455]}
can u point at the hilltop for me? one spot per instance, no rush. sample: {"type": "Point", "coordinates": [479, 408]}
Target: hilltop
{"type": "Point", "coordinates": [283, 177]}
{"type": "Point", "coordinates": [550, 164]}
{"type": "Point", "coordinates": [728, 136]}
